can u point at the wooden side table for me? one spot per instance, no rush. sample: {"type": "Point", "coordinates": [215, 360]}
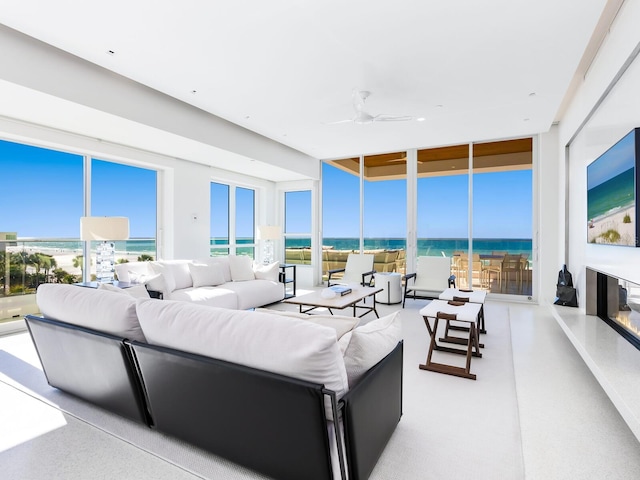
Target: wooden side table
{"type": "Point", "coordinates": [467, 313]}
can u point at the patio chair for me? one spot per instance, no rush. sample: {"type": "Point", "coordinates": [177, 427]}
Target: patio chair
{"type": "Point", "coordinates": [356, 270]}
{"type": "Point", "coordinates": [432, 277]}
{"type": "Point", "coordinates": [512, 264]}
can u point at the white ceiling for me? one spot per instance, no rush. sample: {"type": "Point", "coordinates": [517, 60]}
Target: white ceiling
{"type": "Point", "coordinates": [474, 70]}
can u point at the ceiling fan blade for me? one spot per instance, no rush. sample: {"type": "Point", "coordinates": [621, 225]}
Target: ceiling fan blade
{"type": "Point", "coordinates": [349, 120]}
{"type": "Point", "coordinates": [391, 118]}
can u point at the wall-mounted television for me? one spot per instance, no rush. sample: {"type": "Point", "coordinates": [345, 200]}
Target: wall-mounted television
{"type": "Point", "coordinates": [612, 193]}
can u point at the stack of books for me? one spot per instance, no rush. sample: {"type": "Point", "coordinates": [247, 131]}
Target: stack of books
{"type": "Point", "coordinates": [341, 289]}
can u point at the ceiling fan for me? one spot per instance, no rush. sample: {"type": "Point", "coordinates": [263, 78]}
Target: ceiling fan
{"type": "Point", "coordinates": [361, 117]}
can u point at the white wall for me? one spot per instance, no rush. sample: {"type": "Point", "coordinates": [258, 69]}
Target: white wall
{"type": "Point", "coordinates": [547, 244]}
{"type": "Point", "coordinates": [614, 114]}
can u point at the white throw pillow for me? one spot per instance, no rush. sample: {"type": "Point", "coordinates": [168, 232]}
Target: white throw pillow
{"type": "Point", "coordinates": [206, 275]}
{"type": "Point", "coordinates": [267, 272]}
{"type": "Point", "coordinates": [137, 291]}
{"type": "Point", "coordinates": [169, 284]}
{"type": "Point", "coordinates": [241, 268]}
{"type": "Point", "coordinates": [369, 344]}
{"type": "Point", "coordinates": [180, 271]}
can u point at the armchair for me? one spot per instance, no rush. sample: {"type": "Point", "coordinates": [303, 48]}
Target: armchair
{"type": "Point", "coordinates": [356, 270]}
{"type": "Point", "coordinates": [432, 277]}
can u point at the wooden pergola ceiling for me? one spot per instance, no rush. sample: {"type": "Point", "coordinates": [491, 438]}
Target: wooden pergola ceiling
{"type": "Point", "coordinates": [452, 160]}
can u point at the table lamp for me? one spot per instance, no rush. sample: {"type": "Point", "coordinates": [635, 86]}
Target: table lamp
{"type": "Point", "coordinates": [269, 233]}
{"type": "Point", "coordinates": [105, 229]}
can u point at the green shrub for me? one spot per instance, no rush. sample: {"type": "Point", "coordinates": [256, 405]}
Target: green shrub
{"type": "Point", "coordinates": [626, 219]}
{"type": "Point", "coordinates": [610, 236]}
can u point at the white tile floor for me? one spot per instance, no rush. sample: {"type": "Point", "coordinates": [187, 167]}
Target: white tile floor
{"type": "Point", "coordinates": [559, 423]}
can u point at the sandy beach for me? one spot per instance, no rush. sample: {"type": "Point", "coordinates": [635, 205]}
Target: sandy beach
{"type": "Point", "coordinates": [64, 257]}
{"type": "Point", "coordinates": [598, 228]}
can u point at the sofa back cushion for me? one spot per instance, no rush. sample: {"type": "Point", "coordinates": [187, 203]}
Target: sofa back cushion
{"type": "Point", "coordinates": [204, 275]}
{"type": "Point", "coordinates": [134, 272]}
{"type": "Point", "coordinates": [175, 272]}
{"type": "Point", "coordinates": [101, 310]}
{"type": "Point", "coordinates": [241, 268]}
{"type": "Point", "coordinates": [222, 262]}
{"type": "Point", "coordinates": [284, 345]}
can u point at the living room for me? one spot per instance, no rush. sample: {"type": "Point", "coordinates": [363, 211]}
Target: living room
{"type": "Point", "coordinates": [599, 110]}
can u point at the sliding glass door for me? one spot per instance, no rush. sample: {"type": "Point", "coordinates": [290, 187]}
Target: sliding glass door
{"type": "Point", "coordinates": [503, 215]}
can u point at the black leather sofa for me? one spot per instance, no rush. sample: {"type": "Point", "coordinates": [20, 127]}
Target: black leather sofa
{"type": "Point", "coordinates": [273, 424]}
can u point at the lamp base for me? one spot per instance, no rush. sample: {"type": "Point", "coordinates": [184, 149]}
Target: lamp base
{"type": "Point", "coordinates": [105, 262]}
{"type": "Point", "coordinates": [267, 253]}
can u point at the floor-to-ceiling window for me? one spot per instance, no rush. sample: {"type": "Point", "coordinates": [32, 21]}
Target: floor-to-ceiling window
{"type": "Point", "coordinates": [374, 222]}
{"type": "Point", "coordinates": [232, 220]}
{"type": "Point", "coordinates": [126, 191]}
{"type": "Point", "coordinates": [297, 227]}
{"type": "Point", "coordinates": [385, 210]}
{"type": "Point", "coordinates": [340, 212]}
{"type": "Point", "coordinates": [219, 208]}
{"type": "Point", "coordinates": [245, 221]}
{"type": "Point", "coordinates": [42, 205]}
{"type": "Point", "coordinates": [443, 206]}
{"type": "Point", "coordinates": [503, 215]}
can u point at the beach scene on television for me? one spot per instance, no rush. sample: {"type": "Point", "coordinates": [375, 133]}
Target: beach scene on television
{"type": "Point", "coordinates": [611, 202]}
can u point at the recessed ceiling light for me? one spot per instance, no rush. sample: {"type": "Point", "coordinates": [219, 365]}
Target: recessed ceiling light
{"type": "Point", "coordinates": [111, 52]}
{"type": "Point", "coordinates": [526, 120]}
{"type": "Point", "coordinates": [532, 94]}
{"type": "Point", "coordinates": [420, 119]}
{"type": "Point", "coordinates": [193, 92]}
{"type": "Point", "coordinates": [247, 117]}
{"type": "Point", "coordinates": [439, 106]}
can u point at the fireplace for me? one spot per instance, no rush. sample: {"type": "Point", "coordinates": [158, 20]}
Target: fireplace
{"type": "Point", "coordinates": [616, 301]}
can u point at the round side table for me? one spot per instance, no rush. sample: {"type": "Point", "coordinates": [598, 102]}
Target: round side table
{"type": "Point", "coordinates": [391, 284]}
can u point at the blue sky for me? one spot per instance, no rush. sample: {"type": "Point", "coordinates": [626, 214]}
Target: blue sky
{"type": "Point", "coordinates": [619, 158]}
{"type": "Point", "coordinates": [46, 197]}
{"type": "Point", "coordinates": [502, 206]}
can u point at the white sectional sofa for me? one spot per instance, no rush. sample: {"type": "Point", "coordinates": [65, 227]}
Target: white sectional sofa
{"type": "Point", "coordinates": [260, 388]}
{"type": "Point", "coordinates": [227, 282]}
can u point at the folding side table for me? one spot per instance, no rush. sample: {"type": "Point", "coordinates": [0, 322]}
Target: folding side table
{"type": "Point", "coordinates": [473, 296]}
{"type": "Point", "coordinates": [467, 313]}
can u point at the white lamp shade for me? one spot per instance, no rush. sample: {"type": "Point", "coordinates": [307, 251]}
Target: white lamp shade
{"type": "Point", "coordinates": [104, 228]}
{"type": "Point", "coordinates": [269, 232]}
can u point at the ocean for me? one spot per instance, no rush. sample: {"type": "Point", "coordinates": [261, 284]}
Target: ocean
{"type": "Point", "coordinates": [430, 246]}
{"type": "Point", "coordinates": [426, 246]}
{"type": "Point", "coordinates": [138, 246]}
{"type": "Point", "coordinates": [613, 195]}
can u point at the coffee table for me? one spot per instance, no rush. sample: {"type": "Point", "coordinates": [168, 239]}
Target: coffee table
{"type": "Point", "coordinates": [358, 293]}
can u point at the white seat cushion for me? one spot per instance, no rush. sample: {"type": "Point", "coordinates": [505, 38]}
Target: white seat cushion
{"type": "Point", "coordinates": [256, 293]}
{"type": "Point", "coordinates": [220, 297]}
